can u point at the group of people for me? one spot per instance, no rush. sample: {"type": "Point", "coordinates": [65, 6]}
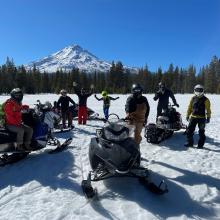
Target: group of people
{"type": "Point", "coordinates": [198, 112]}
{"type": "Point", "coordinates": [137, 111]}
{"type": "Point", "coordinates": [64, 101]}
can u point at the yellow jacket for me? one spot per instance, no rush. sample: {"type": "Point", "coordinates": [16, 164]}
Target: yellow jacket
{"type": "Point", "coordinates": [199, 107]}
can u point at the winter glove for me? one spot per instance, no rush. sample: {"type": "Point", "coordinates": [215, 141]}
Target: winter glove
{"type": "Point", "coordinates": [145, 122]}
{"type": "Point", "coordinates": [128, 117]}
{"type": "Point", "coordinates": [74, 84]}
{"type": "Point", "coordinates": [177, 105]}
{"type": "Point", "coordinates": [207, 120]}
{"type": "Point", "coordinates": [157, 95]}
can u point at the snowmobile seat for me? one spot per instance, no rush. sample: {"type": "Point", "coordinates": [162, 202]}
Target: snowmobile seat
{"type": "Point", "coordinates": [7, 136]}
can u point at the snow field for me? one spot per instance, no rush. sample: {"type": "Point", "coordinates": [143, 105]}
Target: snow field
{"type": "Point", "coordinates": [47, 186]}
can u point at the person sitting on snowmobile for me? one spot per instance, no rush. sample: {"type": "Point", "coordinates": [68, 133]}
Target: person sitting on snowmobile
{"type": "Point", "coordinates": [163, 94]}
{"type": "Point", "coordinates": [137, 110]}
{"type": "Point", "coordinates": [199, 112]}
{"type": "Point", "coordinates": [106, 102]}
{"type": "Point", "coordinates": [13, 120]}
{"type": "Point", "coordinates": [82, 96]}
{"type": "Point", "coordinates": [63, 104]}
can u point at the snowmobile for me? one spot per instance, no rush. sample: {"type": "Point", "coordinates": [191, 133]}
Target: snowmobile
{"type": "Point", "coordinates": [114, 153]}
{"type": "Point", "coordinates": [74, 111]}
{"type": "Point", "coordinates": [168, 122]}
{"type": "Point", "coordinates": [47, 111]}
{"type": "Point", "coordinates": [42, 124]}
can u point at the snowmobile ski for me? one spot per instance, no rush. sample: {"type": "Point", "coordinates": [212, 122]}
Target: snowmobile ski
{"type": "Point", "coordinates": [13, 158]}
{"type": "Point", "coordinates": [12, 149]}
{"type": "Point", "coordinates": [63, 130]}
{"type": "Point", "coordinates": [88, 190]}
{"type": "Point", "coordinates": [152, 187]}
{"type": "Point", "coordinates": [62, 147]}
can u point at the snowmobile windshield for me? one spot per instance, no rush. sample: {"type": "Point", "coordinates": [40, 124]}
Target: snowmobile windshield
{"type": "Point", "coordinates": [117, 131]}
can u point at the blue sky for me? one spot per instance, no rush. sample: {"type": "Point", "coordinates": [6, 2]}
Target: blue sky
{"type": "Point", "coordinates": [136, 32]}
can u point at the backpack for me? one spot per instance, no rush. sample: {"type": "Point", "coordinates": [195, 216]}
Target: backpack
{"type": "Point", "coordinates": [2, 115]}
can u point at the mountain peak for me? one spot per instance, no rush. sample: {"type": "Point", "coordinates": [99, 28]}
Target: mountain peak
{"type": "Point", "coordinates": [71, 57]}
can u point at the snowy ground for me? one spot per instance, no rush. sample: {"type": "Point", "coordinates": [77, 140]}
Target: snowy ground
{"type": "Point", "coordinates": [48, 186]}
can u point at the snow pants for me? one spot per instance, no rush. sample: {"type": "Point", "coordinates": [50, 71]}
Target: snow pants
{"type": "Point", "coordinates": [24, 134]}
{"type": "Point", "coordinates": [191, 128]}
{"type": "Point", "coordinates": [161, 108]}
{"type": "Point", "coordinates": [106, 111]}
{"type": "Point", "coordinates": [67, 115]}
{"type": "Point", "coordinates": [82, 115]}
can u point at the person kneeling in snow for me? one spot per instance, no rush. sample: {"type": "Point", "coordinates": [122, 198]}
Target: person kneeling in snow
{"type": "Point", "coordinates": [137, 110]}
{"type": "Point", "coordinates": [13, 120]}
{"type": "Point", "coordinates": [198, 112]}
{"type": "Point", "coordinates": [106, 102]}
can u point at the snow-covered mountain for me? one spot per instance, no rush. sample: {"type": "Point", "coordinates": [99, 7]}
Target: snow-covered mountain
{"type": "Point", "coordinates": [71, 57]}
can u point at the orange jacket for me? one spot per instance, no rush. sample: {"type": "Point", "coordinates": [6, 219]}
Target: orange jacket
{"type": "Point", "coordinates": [12, 111]}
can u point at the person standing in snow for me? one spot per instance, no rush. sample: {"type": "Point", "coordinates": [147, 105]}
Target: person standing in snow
{"type": "Point", "coordinates": [163, 95]}
{"type": "Point", "coordinates": [82, 96]}
{"type": "Point", "coordinates": [198, 113]}
{"type": "Point", "coordinates": [106, 102]}
{"type": "Point", "coordinates": [63, 104]}
{"type": "Point", "coordinates": [137, 110]}
{"type": "Point", "coordinates": [13, 120]}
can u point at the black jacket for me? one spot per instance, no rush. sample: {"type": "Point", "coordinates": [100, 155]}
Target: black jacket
{"type": "Point", "coordinates": [82, 97]}
{"type": "Point", "coordinates": [63, 102]}
{"type": "Point", "coordinates": [164, 98]}
{"type": "Point", "coordinates": [132, 102]}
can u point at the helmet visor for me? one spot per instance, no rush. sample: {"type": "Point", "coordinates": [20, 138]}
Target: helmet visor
{"type": "Point", "coordinates": [199, 90]}
{"type": "Point", "coordinates": [137, 90]}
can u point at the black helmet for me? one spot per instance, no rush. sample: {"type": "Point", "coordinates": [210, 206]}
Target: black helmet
{"type": "Point", "coordinates": [136, 89]}
{"type": "Point", "coordinates": [161, 86]}
{"type": "Point", "coordinates": [16, 94]}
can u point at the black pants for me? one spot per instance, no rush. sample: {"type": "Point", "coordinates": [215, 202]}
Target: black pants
{"type": "Point", "coordinates": [160, 109]}
{"type": "Point", "coordinates": [191, 128]}
{"type": "Point", "coordinates": [67, 115]}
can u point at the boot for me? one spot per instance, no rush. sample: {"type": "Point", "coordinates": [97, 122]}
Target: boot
{"type": "Point", "coordinates": [20, 147]}
{"type": "Point", "coordinates": [188, 144]}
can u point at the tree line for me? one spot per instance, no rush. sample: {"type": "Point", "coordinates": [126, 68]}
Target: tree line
{"type": "Point", "coordinates": [117, 80]}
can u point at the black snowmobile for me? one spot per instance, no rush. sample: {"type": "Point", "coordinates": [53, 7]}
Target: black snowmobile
{"type": "Point", "coordinates": [113, 153]}
{"type": "Point", "coordinates": [166, 124]}
{"type": "Point", "coordinates": [92, 115]}
{"type": "Point", "coordinates": [42, 124]}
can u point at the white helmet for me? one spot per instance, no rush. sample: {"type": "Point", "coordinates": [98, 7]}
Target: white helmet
{"type": "Point", "coordinates": [63, 92]}
{"type": "Point", "coordinates": [199, 90]}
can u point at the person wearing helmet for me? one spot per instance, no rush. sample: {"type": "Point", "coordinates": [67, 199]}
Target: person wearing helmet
{"type": "Point", "coordinates": [63, 104]}
{"type": "Point", "coordinates": [198, 113]}
{"type": "Point", "coordinates": [13, 120]}
{"type": "Point", "coordinates": [137, 110]}
{"type": "Point", "coordinates": [162, 95]}
{"type": "Point", "coordinates": [106, 102]}
{"type": "Point", "coordinates": [82, 96]}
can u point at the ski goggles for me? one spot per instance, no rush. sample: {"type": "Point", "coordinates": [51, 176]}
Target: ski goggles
{"type": "Point", "coordinates": [199, 90]}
